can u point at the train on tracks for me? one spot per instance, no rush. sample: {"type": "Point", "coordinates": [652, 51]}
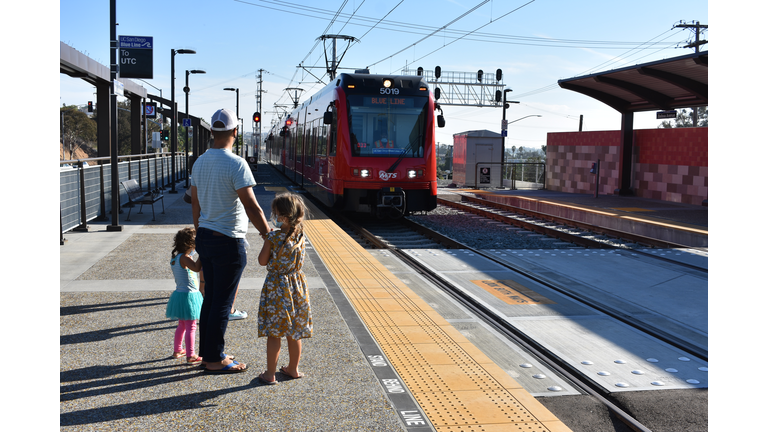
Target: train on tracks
{"type": "Point", "coordinates": [364, 143]}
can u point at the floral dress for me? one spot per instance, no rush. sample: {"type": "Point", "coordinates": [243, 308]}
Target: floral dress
{"type": "Point", "coordinates": [284, 305]}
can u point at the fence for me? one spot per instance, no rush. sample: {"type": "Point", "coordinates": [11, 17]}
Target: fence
{"type": "Point", "coordinates": [525, 175]}
{"type": "Point", "coordinates": [85, 191]}
{"type": "Point", "coordinates": [515, 175]}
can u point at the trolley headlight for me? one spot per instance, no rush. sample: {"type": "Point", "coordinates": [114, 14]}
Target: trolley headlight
{"type": "Point", "coordinates": [411, 173]}
{"type": "Point", "coordinates": [387, 83]}
{"type": "Point", "coordinates": [361, 172]}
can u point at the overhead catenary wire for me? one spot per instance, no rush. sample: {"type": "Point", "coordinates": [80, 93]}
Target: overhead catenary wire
{"type": "Point", "coordinates": [434, 32]}
{"type": "Point", "coordinates": [468, 33]}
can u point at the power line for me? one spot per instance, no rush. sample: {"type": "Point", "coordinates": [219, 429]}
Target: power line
{"type": "Point", "coordinates": [431, 34]}
{"type": "Point", "coordinates": [490, 22]}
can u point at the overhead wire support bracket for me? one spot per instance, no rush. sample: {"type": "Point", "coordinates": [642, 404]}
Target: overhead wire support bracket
{"type": "Point", "coordinates": [334, 63]}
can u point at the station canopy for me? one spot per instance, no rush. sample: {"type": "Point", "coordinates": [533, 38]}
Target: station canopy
{"type": "Point", "coordinates": [679, 82]}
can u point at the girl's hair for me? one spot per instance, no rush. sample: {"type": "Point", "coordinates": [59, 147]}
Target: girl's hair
{"type": "Point", "coordinates": [292, 207]}
{"type": "Point", "coordinates": [184, 240]}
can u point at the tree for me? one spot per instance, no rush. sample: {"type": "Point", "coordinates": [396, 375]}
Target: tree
{"type": "Point", "coordinates": [77, 128]}
{"type": "Point", "coordinates": [685, 119]}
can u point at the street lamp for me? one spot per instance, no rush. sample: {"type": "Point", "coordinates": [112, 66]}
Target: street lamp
{"type": "Point", "coordinates": [174, 114]}
{"type": "Point", "coordinates": [237, 112]}
{"type": "Point", "coordinates": [186, 113]}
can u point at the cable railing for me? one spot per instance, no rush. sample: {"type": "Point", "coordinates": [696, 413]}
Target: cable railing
{"type": "Point", "coordinates": [85, 185]}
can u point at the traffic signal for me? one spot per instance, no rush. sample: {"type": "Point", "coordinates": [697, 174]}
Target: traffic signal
{"type": "Point", "coordinates": [165, 135]}
{"type": "Point", "coordinates": [257, 117]}
{"type": "Point", "coordinates": [90, 106]}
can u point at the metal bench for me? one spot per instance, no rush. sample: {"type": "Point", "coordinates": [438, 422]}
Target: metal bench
{"type": "Point", "coordinates": [137, 196]}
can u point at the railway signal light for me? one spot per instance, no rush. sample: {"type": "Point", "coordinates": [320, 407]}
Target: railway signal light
{"type": "Point", "coordinates": [498, 74]}
{"type": "Point", "coordinates": [438, 71]}
{"type": "Point", "coordinates": [480, 75]}
{"type": "Point", "coordinates": [165, 135]}
{"type": "Point", "coordinates": [257, 117]}
{"type": "Point", "coordinates": [90, 106]}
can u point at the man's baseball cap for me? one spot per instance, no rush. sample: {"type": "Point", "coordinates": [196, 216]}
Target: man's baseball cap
{"type": "Point", "coordinates": [225, 116]}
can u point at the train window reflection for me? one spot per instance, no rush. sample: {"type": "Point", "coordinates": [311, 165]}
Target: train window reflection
{"type": "Point", "coordinates": [387, 126]}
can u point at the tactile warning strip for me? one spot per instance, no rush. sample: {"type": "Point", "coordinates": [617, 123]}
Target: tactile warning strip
{"type": "Point", "coordinates": [457, 386]}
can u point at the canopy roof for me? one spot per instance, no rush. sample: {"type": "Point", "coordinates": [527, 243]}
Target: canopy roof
{"type": "Point", "coordinates": [679, 82]}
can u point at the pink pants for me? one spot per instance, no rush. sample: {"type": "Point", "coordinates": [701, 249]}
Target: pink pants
{"type": "Point", "coordinates": [185, 330]}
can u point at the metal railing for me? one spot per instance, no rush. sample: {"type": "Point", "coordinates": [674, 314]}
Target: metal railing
{"type": "Point", "coordinates": [516, 175]}
{"type": "Point", "coordinates": [85, 189]}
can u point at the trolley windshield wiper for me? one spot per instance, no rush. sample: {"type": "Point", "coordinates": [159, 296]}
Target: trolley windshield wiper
{"type": "Point", "coordinates": [409, 147]}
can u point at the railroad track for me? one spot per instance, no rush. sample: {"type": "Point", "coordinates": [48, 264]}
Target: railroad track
{"type": "Point", "coordinates": [389, 235]}
{"type": "Point", "coordinates": [578, 233]}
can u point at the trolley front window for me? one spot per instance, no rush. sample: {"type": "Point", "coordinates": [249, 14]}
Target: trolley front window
{"type": "Point", "coordinates": [387, 126]}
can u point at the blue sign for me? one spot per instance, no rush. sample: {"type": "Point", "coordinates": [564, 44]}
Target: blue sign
{"type": "Point", "coordinates": [187, 122]}
{"type": "Point", "coordinates": [140, 42]}
{"type": "Point", "coordinates": [135, 56]}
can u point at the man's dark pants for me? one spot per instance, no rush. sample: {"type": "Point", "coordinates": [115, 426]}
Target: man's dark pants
{"type": "Point", "coordinates": [223, 259]}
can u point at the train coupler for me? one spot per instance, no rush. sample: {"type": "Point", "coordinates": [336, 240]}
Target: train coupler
{"type": "Point", "coordinates": [390, 202]}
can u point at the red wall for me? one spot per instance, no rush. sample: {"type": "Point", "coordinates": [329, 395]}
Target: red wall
{"type": "Point", "coordinates": [669, 164]}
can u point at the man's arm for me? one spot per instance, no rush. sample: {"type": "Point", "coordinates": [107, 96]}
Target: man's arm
{"type": "Point", "coordinates": [195, 205]}
{"type": "Point", "coordinates": [252, 209]}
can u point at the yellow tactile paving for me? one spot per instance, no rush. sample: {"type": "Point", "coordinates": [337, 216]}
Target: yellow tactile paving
{"type": "Point", "coordinates": [457, 386]}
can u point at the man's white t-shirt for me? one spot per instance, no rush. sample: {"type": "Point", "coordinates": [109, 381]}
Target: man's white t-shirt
{"type": "Point", "coordinates": [218, 174]}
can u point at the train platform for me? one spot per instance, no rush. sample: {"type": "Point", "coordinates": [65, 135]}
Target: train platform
{"type": "Point", "coordinates": [388, 353]}
{"type": "Point", "coordinates": [681, 223]}
{"type": "Point", "coordinates": [116, 369]}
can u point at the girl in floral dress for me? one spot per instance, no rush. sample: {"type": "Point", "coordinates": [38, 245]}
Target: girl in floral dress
{"type": "Point", "coordinates": [284, 309]}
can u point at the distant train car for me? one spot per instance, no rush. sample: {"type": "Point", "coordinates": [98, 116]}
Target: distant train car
{"type": "Point", "coordinates": [364, 143]}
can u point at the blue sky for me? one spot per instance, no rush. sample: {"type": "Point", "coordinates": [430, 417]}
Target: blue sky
{"type": "Point", "coordinates": [535, 43]}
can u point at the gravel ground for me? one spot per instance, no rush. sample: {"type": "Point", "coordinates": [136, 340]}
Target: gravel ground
{"type": "Point", "coordinates": [483, 233]}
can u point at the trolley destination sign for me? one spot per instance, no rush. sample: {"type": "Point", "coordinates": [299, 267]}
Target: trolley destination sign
{"type": "Point", "coordinates": [135, 56]}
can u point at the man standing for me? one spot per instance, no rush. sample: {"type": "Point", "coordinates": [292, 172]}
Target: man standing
{"type": "Point", "coordinates": [222, 203]}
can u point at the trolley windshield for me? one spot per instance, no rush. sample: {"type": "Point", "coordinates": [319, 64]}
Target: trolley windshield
{"type": "Point", "coordinates": [387, 126]}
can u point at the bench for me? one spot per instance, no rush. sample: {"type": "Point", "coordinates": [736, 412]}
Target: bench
{"type": "Point", "coordinates": [136, 196]}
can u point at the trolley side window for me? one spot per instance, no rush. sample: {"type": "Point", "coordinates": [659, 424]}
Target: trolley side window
{"type": "Point", "coordinates": [387, 126]}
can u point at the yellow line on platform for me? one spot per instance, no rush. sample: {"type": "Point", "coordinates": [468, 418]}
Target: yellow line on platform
{"type": "Point", "coordinates": [457, 386]}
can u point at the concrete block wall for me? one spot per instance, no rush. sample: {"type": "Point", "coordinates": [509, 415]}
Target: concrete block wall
{"type": "Point", "coordinates": [669, 164]}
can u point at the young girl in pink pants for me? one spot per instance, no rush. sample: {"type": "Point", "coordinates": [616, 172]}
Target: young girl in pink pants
{"type": "Point", "coordinates": [184, 304]}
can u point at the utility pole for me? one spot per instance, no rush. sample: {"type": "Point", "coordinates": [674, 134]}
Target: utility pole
{"type": "Point", "coordinates": [257, 127]}
{"type": "Point", "coordinates": [698, 28]}
{"type": "Point", "coordinates": [695, 45]}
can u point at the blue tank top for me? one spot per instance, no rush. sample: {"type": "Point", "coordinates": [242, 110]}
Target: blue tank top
{"type": "Point", "coordinates": [186, 279]}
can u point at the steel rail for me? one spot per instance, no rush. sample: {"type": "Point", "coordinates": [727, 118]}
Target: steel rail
{"type": "Point", "coordinates": [636, 238]}
{"type": "Point", "coordinates": [520, 338]}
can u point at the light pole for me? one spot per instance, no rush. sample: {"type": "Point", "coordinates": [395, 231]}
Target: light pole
{"type": "Point", "coordinates": [504, 107]}
{"type": "Point", "coordinates": [186, 113]}
{"type": "Point", "coordinates": [237, 112]}
{"type": "Point", "coordinates": [174, 114]}
{"type": "Point", "coordinates": [516, 120]}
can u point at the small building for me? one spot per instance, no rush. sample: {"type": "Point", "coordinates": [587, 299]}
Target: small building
{"type": "Point", "coordinates": [477, 159]}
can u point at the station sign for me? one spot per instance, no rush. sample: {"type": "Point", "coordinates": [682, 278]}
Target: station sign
{"type": "Point", "coordinates": [670, 114]}
{"type": "Point", "coordinates": [135, 56]}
